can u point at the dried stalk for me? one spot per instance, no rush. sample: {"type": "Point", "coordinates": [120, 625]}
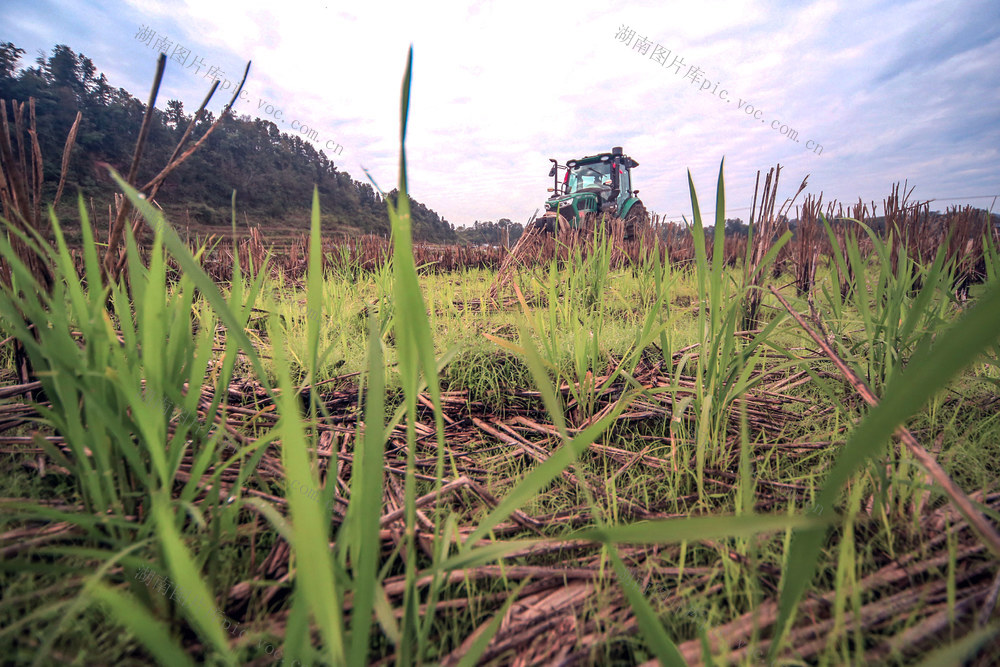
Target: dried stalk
{"type": "Point", "coordinates": [21, 200]}
{"type": "Point", "coordinates": [764, 227]}
{"type": "Point", "coordinates": [117, 233]}
{"type": "Point", "coordinates": [116, 236]}
{"type": "Point", "coordinates": [70, 140]}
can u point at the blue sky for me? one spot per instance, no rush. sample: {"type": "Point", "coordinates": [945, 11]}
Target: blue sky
{"type": "Point", "coordinates": [890, 91]}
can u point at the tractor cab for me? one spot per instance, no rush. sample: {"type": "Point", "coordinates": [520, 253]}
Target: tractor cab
{"type": "Point", "coordinates": [591, 177]}
{"type": "Point", "coordinates": [597, 184]}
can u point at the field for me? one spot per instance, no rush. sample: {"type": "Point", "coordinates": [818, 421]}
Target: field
{"type": "Point", "coordinates": [782, 451]}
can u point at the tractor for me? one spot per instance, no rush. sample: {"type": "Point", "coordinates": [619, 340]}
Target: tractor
{"type": "Point", "coordinates": [596, 184]}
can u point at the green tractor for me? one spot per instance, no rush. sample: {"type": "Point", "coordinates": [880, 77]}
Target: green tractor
{"type": "Point", "coordinates": [596, 184]}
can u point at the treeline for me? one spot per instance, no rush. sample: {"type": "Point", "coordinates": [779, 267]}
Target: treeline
{"type": "Point", "coordinates": [490, 233]}
{"type": "Point", "coordinates": [272, 172]}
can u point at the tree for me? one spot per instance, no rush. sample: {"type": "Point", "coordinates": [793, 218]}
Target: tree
{"type": "Point", "coordinates": [63, 70]}
{"type": "Point", "coordinates": [736, 227]}
{"type": "Point", "coordinates": [10, 56]}
{"type": "Point", "coordinates": [175, 114]}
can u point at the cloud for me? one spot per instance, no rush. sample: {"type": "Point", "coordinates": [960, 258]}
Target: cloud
{"type": "Point", "coordinates": [890, 91]}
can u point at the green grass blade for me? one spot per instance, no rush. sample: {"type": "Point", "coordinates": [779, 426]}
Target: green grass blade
{"type": "Point", "coordinates": [366, 500]}
{"type": "Point", "coordinates": [153, 634]}
{"type": "Point", "coordinates": [959, 653]}
{"type": "Point", "coordinates": [482, 642]}
{"type": "Point", "coordinates": [930, 370]}
{"type": "Point", "coordinates": [315, 583]}
{"type": "Point", "coordinates": [187, 579]}
{"type": "Point", "coordinates": [192, 269]}
{"type": "Point", "coordinates": [696, 528]}
{"type": "Point", "coordinates": [656, 635]}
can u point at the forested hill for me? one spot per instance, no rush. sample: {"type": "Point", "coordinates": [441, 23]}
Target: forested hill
{"type": "Point", "coordinates": [273, 173]}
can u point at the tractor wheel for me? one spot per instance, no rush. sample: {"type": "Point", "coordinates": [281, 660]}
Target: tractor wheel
{"type": "Point", "coordinates": [549, 223]}
{"type": "Point", "coordinates": [636, 220]}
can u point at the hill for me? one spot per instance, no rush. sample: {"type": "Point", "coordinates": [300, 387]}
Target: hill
{"type": "Point", "coordinates": [272, 172]}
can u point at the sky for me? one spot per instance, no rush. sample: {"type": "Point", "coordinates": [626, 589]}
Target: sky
{"type": "Point", "coordinates": [855, 95]}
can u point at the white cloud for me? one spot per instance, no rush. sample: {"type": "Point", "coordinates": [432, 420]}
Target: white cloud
{"type": "Point", "coordinates": [498, 88]}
